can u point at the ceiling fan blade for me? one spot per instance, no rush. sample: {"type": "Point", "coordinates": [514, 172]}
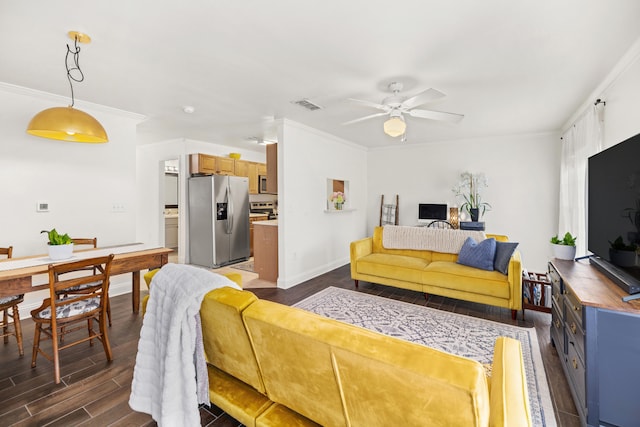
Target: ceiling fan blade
{"type": "Point", "coordinates": [371, 104]}
{"type": "Point", "coordinates": [436, 115]}
{"type": "Point", "coordinates": [361, 119]}
{"type": "Point", "coordinates": [423, 97]}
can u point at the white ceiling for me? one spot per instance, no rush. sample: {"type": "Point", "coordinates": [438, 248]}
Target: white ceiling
{"type": "Point", "coordinates": [510, 66]}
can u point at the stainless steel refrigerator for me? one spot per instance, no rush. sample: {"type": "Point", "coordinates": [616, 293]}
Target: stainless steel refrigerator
{"type": "Point", "coordinates": [218, 220]}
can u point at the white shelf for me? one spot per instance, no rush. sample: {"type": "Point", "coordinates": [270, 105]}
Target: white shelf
{"type": "Point", "coordinates": [339, 211]}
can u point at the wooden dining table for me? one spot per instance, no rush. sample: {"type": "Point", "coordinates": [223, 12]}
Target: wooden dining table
{"type": "Point", "coordinates": [16, 274]}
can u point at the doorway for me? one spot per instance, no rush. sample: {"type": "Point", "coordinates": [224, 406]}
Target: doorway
{"type": "Point", "coordinates": [171, 207]}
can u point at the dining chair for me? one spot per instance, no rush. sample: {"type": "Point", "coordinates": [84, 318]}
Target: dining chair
{"type": "Point", "coordinates": [82, 289]}
{"type": "Point", "coordinates": [56, 318]}
{"type": "Point", "coordinates": [85, 241]}
{"type": "Point", "coordinates": [440, 223]}
{"type": "Point", "coordinates": [9, 309]}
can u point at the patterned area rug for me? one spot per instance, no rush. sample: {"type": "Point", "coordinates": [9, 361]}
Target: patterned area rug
{"type": "Point", "coordinates": [454, 333]}
{"type": "Point", "coordinates": [244, 266]}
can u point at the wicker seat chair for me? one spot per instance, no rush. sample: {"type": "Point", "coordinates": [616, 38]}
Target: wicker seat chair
{"type": "Point", "coordinates": [56, 318]}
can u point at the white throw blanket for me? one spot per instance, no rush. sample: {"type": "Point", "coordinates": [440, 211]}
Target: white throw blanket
{"type": "Point", "coordinates": [164, 377]}
{"type": "Point", "coordinates": [424, 238]}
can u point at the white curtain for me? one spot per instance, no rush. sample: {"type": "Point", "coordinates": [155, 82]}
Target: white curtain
{"type": "Point", "coordinates": [579, 142]}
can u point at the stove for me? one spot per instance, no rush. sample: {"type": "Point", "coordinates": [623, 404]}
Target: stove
{"type": "Point", "coordinates": [268, 208]}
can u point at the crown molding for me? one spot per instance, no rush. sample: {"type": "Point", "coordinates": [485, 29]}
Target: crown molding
{"type": "Point", "coordinates": [64, 100]}
{"type": "Point", "coordinates": [628, 59]}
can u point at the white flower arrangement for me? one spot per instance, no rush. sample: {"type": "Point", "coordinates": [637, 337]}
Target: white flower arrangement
{"type": "Point", "coordinates": [468, 189]}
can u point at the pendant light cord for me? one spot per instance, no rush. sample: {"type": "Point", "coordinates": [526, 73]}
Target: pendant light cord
{"type": "Point", "coordinates": [75, 68]}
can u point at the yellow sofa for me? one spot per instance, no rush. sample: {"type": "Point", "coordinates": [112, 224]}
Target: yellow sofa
{"type": "Point", "coordinates": [273, 365]}
{"type": "Point", "coordinates": [436, 273]}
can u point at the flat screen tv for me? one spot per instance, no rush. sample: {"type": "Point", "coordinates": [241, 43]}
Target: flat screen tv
{"type": "Point", "coordinates": [431, 211]}
{"type": "Point", "coordinates": [614, 212]}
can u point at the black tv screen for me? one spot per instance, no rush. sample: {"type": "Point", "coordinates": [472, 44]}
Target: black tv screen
{"type": "Point", "coordinates": [614, 203]}
{"type": "Point", "coordinates": [432, 211]}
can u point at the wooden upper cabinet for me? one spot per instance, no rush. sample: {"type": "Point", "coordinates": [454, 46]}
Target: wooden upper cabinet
{"type": "Point", "coordinates": [252, 173]}
{"type": "Point", "coordinates": [241, 168]}
{"type": "Point", "coordinates": [205, 164]}
{"type": "Point", "coordinates": [225, 166]}
{"type": "Point", "coordinates": [272, 168]}
{"type": "Point", "coordinates": [202, 164]}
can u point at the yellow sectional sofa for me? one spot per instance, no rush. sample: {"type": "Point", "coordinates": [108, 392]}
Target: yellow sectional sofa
{"type": "Point", "coordinates": [273, 365]}
{"type": "Point", "coordinates": [436, 273]}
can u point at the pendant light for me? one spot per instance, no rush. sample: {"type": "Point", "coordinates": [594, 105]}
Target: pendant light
{"type": "Point", "coordinates": [395, 126]}
{"type": "Point", "coordinates": [68, 123]}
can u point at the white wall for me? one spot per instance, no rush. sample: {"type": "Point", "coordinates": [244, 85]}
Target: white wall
{"type": "Point", "coordinates": [523, 176]}
{"type": "Point", "coordinates": [81, 182]}
{"type": "Point", "coordinates": [150, 186]}
{"type": "Point", "coordinates": [312, 241]}
{"type": "Point", "coordinates": [622, 112]}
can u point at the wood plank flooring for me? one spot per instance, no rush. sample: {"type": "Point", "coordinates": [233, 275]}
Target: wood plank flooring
{"type": "Point", "coordinates": [96, 393]}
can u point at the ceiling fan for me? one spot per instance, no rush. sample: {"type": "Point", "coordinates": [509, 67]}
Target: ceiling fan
{"type": "Point", "coordinates": [395, 106]}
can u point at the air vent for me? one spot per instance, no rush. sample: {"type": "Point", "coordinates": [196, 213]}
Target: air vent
{"type": "Point", "coordinates": [305, 103]}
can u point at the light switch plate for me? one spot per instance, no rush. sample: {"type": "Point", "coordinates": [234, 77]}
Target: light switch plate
{"type": "Point", "coordinates": [42, 207]}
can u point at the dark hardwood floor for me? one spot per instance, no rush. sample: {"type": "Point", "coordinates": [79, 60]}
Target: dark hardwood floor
{"type": "Point", "coordinates": [95, 392]}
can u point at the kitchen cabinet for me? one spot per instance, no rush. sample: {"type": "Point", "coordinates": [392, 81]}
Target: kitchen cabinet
{"type": "Point", "coordinates": [253, 218]}
{"type": "Point", "coordinates": [202, 164]}
{"type": "Point", "coordinates": [252, 173]}
{"type": "Point", "coordinates": [272, 168]}
{"type": "Point", "coordinates": [205, 164]}
{"type": "Point", "coordinates": [241, 168]}
{"type": "Point", "coordinates": [225, 166]}
{"type": "Point", "coordinates": [250, 170]}
{"type": "Point", "coordinates": [265, 259]}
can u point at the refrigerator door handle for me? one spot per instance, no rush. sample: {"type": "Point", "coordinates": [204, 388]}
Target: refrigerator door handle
{"type": "Point", "coordinates": [230, 208]}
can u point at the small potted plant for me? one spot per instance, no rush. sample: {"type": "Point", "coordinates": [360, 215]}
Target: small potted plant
{"type": "Point", "coordinates": [622, 254]}
{"type": "Point", "coordinates": [60, 245]}
{"type": "Point", "coordinates": [469, 189]}
{"type": "Point", "coordinates": [337, 198]}
{"type": "Point", "coordinates": [564, 248]}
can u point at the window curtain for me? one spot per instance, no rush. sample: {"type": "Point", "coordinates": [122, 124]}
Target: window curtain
{"type": "Point", "coordinates": [579, 142]}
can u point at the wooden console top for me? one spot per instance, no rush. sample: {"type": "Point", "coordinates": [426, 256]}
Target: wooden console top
{"type": "Point", "coordinates": [594, 288]}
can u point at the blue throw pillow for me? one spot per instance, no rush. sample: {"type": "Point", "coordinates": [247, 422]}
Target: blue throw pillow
{"type": "Point", "coordinates": [478, 255]}
{"type": "Point", "coordinates": [504, 250]}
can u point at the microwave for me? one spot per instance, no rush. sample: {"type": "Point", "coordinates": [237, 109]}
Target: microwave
{"type": "Point", "coordinates": [262, 184]}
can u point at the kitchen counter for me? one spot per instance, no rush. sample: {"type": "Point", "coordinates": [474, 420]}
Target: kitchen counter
{"type": "Point", "coordinates": [268, 222]}
{"type": "Point", "coordinates": [257, 215]}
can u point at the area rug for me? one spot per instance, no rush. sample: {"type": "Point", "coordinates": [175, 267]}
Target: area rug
{"type": "Point", "coordinates": [244, 266]}
{"type": "Point", "coordinates": [454, 333]}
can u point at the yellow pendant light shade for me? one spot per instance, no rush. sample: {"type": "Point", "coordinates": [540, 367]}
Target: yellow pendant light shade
{"type": "Point", "coordinates": [67, 124]}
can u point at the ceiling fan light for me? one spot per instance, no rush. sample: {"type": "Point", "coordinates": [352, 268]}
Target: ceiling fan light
{"type": "Point", "coordinates": [395, 126]}
{"type": "Point", "coordinates": [67, 124]}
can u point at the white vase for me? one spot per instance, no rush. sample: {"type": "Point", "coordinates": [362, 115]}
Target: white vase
{"type": "Point", "coordinates": [61, 251]}
{"type": "Point", "coordinates": [563, 251]}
